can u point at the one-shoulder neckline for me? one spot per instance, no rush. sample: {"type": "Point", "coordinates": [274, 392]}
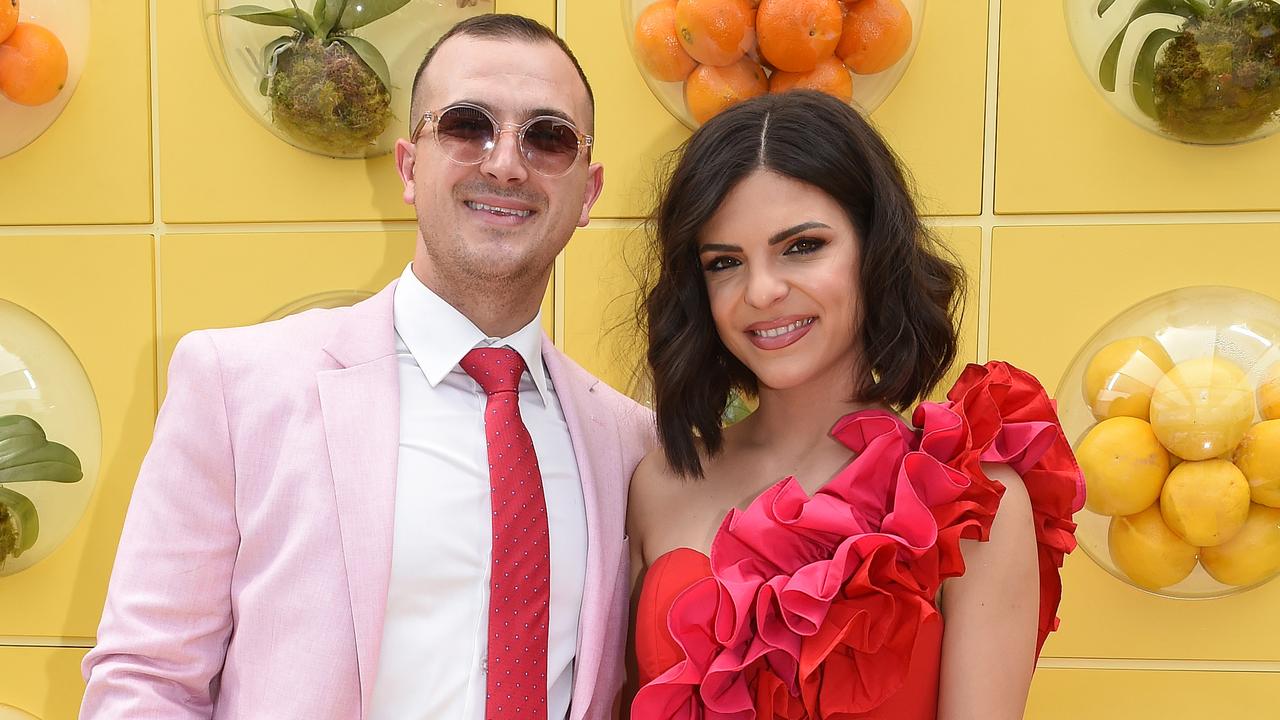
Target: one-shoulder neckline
{"type": "Point", "coordinates": [765, 490]}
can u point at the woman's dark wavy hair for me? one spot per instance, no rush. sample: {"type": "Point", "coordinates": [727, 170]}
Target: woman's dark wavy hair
{"type": "Point", "coordinates": [912, 288]}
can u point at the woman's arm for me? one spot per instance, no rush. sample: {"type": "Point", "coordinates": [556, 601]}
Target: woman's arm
{"type": "Point", "coordinates": [640, 502]}
{"type": "Point", "coordinates": [990, 615]}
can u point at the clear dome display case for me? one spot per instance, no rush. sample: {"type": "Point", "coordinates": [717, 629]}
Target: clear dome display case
{"type": "Point", "coordinates": [699, 57]}
{"type": "Point", "coordinates": [44, 45]}
{"type": "Point", "coordinates": [1197, 71]}
{"type": "Point", "coordinates": [1173, 409]}
{"type": "Point", "coordinates": [50, 439]}
{"type": "Point", "coordinates": [332, 77]}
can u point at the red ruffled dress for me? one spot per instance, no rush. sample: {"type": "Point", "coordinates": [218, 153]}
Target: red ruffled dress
{"type": "Point", "coordinates": [823, 606]}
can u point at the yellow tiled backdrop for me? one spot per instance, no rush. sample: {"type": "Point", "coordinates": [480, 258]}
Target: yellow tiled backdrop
{"type": "Point", "coordinates": [156, 206]}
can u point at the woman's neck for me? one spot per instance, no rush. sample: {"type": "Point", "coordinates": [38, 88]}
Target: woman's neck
{"type": "Point", "coordinates": [796, 419]}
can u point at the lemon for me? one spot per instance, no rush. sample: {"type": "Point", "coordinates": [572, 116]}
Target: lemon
{"type": "Point", "coordinates": [1146, 550]}
{"type": "Point", "coordinates": [1205, 502]}
{"type": "Point", "coordinates": [1124, 466]}
{"type": "Point", "coordinates": [1121, 377]}
{"type": "Point", "coordinates": [1269, 393]}
{"type": "Point", "coordinates": [1258, 457]}
{"type": "Point", "coordinates": [1202, 408]}
{"type": "Point", "coordinates": [1252, 555]}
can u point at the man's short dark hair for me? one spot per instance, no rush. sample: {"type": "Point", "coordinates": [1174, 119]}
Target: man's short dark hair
{"type": "Point", "coordinates": [501, 26]}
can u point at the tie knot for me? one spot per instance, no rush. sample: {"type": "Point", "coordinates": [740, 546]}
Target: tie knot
{"type": "Point", "coordinates": [496, 369]}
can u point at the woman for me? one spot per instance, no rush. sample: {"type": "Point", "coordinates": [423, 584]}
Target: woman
{"type": "Point", "coordinates": [794, 269]}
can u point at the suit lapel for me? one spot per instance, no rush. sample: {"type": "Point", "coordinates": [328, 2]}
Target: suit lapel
{"type": "Point", "coordinates": [360, 403]}
{"type": "Point", "coordinates": [595, 450]}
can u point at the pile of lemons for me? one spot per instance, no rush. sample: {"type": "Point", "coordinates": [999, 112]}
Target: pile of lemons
{"type": "Point", "coordinates": [1179, 463]}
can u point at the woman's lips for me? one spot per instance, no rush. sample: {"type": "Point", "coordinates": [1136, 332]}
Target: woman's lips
{"type": "Point", "coordinates": [799, 328]}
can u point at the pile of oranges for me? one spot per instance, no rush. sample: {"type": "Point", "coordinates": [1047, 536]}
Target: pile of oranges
{"type": "Point", "coordinates": [1181, 463]}
{"type": "Point", "coordinates": [725, 51]}
{"type": "Point", "coordinates": [33, 62]}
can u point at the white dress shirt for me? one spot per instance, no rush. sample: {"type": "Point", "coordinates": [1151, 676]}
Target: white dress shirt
{"type": "Point", "coordinates": [434, 642]}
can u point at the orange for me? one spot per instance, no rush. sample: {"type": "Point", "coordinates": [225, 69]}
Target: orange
{"type": "Point", "coordinates": [711, 89]}
{"type": "Point", "coordinates": [1146, 550]}
{"type": "Point", "coordinates": [1269, 393]}
{"type": "Point", "coordinates": [1258, 457]}
{"type": "Point", "coordinates": [1252, 555]}
{"type": "Point", "coordinates": [795, 35]}
{"type": "Point", "coordinates": [714, 32]}
{"type": "Point", "coordinates": [657, 45]}
{"type": "Point", "coordinates": [33, 65]}
{"type": "Point", "coordinates": [1202, 408]}
{"type": "Point", "coordinates": [1122, 376]}
{"type": "Point", "coordinates": [876, 34]}
{"type": "Point", "coordinates": [1124, 466]}
{"type": "Point", "coordinates": [8, 18]}
{"type": "Point", "coordinates": [830, 77]}
{"type": "Point", "coordinates": [1205, 502]}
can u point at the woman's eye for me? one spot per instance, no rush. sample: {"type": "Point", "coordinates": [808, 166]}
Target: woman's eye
{"type": "Point", "coordinates": [720, 263]}
{"type": "Point", "coordinates": [804, 246]}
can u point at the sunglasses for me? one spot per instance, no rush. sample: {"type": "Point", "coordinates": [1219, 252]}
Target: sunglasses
{"type": "Point", "coordinates": [468, 133]}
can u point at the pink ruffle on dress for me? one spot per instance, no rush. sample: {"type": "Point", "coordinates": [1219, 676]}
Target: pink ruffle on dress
{"type": "Point", "coordinates": [824, 606]}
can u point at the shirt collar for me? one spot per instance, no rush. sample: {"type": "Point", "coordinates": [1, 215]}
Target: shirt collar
{"type": "Point", "coordinates": [439, 336]}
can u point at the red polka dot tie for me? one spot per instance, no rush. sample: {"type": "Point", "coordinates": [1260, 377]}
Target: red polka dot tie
{"type": "Point", "coordinates": [520, 571]}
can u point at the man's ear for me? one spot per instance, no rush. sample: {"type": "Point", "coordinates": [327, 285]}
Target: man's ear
{"type": "Point", "coordinates": [405, 156]}
{"type": "Point", "coordinates": [595, 185]}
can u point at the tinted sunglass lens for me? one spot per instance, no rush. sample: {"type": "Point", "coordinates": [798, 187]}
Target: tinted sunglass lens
{"type": "Point", "coordinates": [551, 145]}
{"type": "Point", "coordinates": [465, 132]}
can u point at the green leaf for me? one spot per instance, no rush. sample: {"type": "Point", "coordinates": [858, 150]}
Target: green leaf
{"type": "Point", "coordinates": [371, 57]}
{"type": "Point", "coordinates": [1108, 68]}
{"type": "Point", "coordinates": [289, 17]}
{"type": "Point", "coordinates": [19, 434]}
{"type": "Point", "coordinates": [270, 52]}
{"type": "Point", "coordinates": [362, 12]}
{"type": "Point", "coordinates": [26, 455]}
{"type": "Point", "coordinates": [23, 512]}
{"type": "Point", "coordinates": [328, 13]}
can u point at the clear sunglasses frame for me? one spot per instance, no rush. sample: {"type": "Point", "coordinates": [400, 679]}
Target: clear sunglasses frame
{"type": "Point", "coordinates": [432, 117]}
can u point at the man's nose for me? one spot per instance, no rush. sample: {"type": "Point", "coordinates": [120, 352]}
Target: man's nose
{"type": "Point", "coordinates": [505, 164]}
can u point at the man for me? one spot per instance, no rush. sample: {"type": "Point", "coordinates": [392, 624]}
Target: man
{"type": "Point", "coordinates": [413, 507]}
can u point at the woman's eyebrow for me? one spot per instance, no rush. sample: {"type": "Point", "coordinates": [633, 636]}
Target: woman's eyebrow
{"type": "Point", "coordinates": [784, 234]}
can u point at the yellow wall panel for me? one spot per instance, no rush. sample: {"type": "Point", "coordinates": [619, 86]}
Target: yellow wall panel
{"type": "Point", "coordinates": [218, 164]}
{"type": "Point", "coordinates": [211, 280]}
{"type": "Point", "coordinates": [93, 165]}
{"type": "Point", "coordinates": [966, 243]}
{"type": "Point", "coordinates": [1062, 148]}
{"type": "Point", "coordinates": [42, 681]}
{"type": "Point", "coordinates": [1072, 694]}
{"type": "Point", "coordinates": [602, 270]}
{"type": "Point", "coordinates": [604, 263]}
{"type": "Point", "coordinates": [1051, 289]}
{"type": "Point", "coordinates": [942, 147]}
{"type": "Point", "coordinates": [96, 292]}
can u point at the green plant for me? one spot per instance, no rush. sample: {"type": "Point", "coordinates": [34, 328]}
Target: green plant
{"type": "Point", "coordinates": [26, 455]}
{"type": "Point", "coordinates": [738, 407]}
{"type": "Point", "coordinates": [1215, 78]}
{"type": "Point", "coordinates": [326, 88]}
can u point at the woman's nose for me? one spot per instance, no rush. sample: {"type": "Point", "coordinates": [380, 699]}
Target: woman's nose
{"type": "Point", "coordinates": [765, 287]}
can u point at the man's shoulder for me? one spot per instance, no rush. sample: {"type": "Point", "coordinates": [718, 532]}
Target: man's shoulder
{"type": "Point", "coordinates": [599, 390]}
{"type": "Point", "coordinates": [633, 420]}
{"type": "Point", "coordinates": [285, 345]}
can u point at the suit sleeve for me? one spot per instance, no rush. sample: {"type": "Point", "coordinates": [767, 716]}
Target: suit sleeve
{"type": "Point", "coordinates": [168, 615]}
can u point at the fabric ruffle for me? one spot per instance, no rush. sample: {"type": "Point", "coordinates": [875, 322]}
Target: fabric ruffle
{"type": "Point", "coordinates": [814, 604]}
